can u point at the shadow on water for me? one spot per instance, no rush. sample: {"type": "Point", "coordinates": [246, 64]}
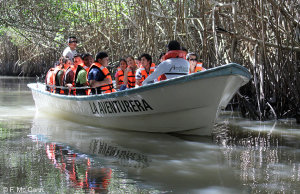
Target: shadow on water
{"type": "Point", "coordinates": [158, 161]}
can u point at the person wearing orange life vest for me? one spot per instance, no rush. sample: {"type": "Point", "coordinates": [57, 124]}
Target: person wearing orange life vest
{"type": "Point", "coordinates": [147, 67]}
{"type": "Point", "coordinates": [138, 62]}
{"type": "Point", "coordinates": [69, 77]}
{"type": "Point", "coordinates": [81, 79]}
{"type": "Point", "coordinates": [174, 64]}
{"type": "Point", "coordinates": [59, 74]}
{"type": "Point", "coordinates": [194, 65]}
{"type": "Point", "coordinates": [119, 76]}
{"type": "Point", "coordinates": [129, 73]}
{"type": "Point", "coordinates": [98, 75]}
{"type": "Point", "coordinates": [57, 67]}
{"type": "Point", "coordinates": [49, 80]}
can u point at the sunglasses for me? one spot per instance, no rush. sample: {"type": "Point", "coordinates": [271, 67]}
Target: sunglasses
{"type": "Point", "coordinates": [73, 41]}
{"type": "Point", "coordinates": [193, 60]}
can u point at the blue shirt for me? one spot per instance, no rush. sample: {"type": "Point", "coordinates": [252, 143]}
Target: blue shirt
{"type": "Point", "coordinates": [96, 74]}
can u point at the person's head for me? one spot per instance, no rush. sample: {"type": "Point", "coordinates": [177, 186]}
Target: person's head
{"type": "Point", "coordinates": [61, 60]}
{"type": "Point", "coordinates": [66, 62]}
{"type": "Point", "coordinates": [77, 60]}
{"type": "Point", "coordinates": [72, 42]}
{"type": "Point", "coordinates": [192, 58]}
{"type": "Point", "coordinates": [173, 45]}
{"type": "Point", "coordinates": [138, 61]}
{"type": "Point", "coordinates": [123, 64]}
{"type": "Point", "coordinates": [130, 61]}
{"type": "Point", "coordinates": [102, 58]}
{"type": "Point", "coordinates": [87, 59]}
{"type": "Point", "coordinates": [146, 60]}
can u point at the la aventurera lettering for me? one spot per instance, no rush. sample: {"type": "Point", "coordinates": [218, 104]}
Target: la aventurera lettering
{"type": "Point", "coordinates": [119, 106]}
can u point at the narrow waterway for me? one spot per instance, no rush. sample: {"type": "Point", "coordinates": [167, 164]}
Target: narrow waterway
{"type": "Point", "coordinates": [43, 153]}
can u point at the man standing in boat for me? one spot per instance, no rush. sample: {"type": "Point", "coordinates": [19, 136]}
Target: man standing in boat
{"type": "Point", "coordinates": [174, 64]}
{"type": "Point", "coordinates": [98, 75]}
{"type": "Point", "coordinates": [70, 51]}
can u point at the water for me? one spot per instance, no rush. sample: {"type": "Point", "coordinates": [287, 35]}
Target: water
{"type": "Point", "coordinates": [45, 154]}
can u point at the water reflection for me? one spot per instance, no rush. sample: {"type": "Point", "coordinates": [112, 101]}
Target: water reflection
{"type": "Point", "coordinates": [242, 156]}
{"type": "Point", "coordinates": [267, 154]}
{"type": "Point", "coordinates": [162, 162]}
{"type": "Point", "coordinates": [78, 169]}
{"type": "Point", "coordinates": [126, 158]}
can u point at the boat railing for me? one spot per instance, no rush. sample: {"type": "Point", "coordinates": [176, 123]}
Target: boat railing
{"type": "Point", "coordinates": [66, 87]}
{"type": "Point", "coordinates": [70, 89]}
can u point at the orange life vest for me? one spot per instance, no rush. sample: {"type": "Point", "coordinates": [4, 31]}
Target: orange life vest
{"type": "Point", "coordinates": [174, 54]}
{"type": "Point", "coordinates": [162, 77]}
{"type": "Point", "coordinates": [131, 79]}
{"type": "Point", "coordinates": [120, 76]}
{"type": "Point", "coordinates": [85, 67]}
{"type": "Point", "coordinates": [171, 54]}
{"type": "Point", "coordinates": [198, 68]}
{"type": "Point", "coordinates": [144, 72]}
{"type": "Point", "coordinates": [49, 80]}
{"type": "Point", "coordinates": [107, 88]}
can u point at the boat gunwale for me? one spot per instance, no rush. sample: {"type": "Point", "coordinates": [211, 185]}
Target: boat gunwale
{"type": "Point", "coordinates": [224, 70]}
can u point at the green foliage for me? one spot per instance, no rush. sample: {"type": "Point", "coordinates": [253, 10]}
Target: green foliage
{"type": "Point", "coordinates": [2, 30]}
{"type": "Point", "coordinates": [124, 27]}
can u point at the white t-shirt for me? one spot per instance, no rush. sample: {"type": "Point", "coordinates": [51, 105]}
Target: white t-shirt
{"type": "Point", "coordinates": [173, 67]}
{"type": "Point", "coordinates": [138, 74]}
{"type": "Point", "coordinates": [69, 53]}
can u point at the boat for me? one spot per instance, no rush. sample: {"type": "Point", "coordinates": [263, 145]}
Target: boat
{"type": "Point", "coordinates": [187, 104]}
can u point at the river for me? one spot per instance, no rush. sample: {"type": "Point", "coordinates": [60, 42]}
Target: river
{"type": "Point", "coordinates": [45, 154]}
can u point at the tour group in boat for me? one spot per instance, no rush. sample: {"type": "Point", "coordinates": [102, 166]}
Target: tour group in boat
{"type": "Point", "coordinates": [76, 70]}
{"type": "Point", "coordinates": [176, 96]}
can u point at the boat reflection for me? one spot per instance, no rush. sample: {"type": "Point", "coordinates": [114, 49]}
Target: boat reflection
{"type": "Point", "coordinates": [160, 161]}
{"type": "Point", "coordinates": [81, 174]}
{"type": "Point", "coordinates": [126, 158]}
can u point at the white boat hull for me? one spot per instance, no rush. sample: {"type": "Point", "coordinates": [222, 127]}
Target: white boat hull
{"type": "Point", "coordinates": [189, 104]}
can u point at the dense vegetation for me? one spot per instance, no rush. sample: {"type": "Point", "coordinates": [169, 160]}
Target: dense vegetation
{"type": "Point", "coordinates": [262, 35]}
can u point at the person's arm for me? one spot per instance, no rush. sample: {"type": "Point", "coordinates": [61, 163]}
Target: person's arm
{"type": "Point", "coordinates": [126, 75]}
{"type": "Point", "coordinates": [95, 84]}
{"type": "Point", "coordinates": [138, 77]}
{"type": "Point", "coordinates": [157, 72]}
{"type": "Point", "coordinates": [137, 82]}
{"type": "Point", "coordinates": [117, 80]}
{"type": "Point", "coordinates": [93, 75]}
